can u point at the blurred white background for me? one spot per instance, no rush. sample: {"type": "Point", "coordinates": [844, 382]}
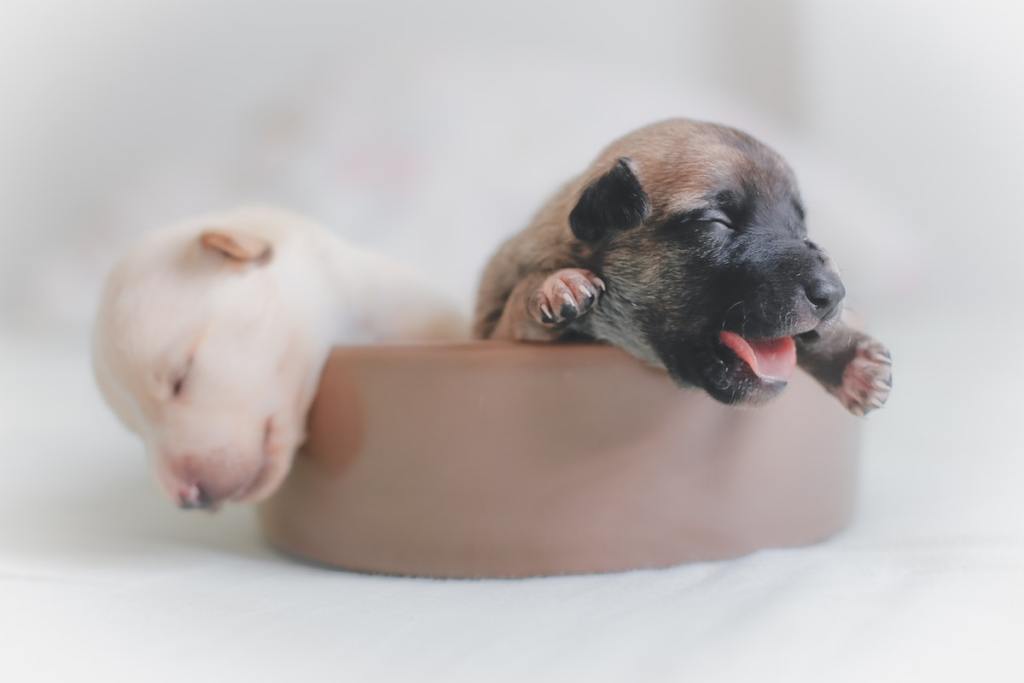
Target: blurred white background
{"type": "Point", "coordinates": [431, 130]}
{"type": "Point", "coordinates": [434, 129]}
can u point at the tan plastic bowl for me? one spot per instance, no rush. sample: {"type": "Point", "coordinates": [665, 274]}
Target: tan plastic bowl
{"type": "Point", "coordinates": [509, 460]}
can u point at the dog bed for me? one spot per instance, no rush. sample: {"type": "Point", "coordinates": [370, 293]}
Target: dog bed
{"type": "Point", "coordinates": [506, 460]}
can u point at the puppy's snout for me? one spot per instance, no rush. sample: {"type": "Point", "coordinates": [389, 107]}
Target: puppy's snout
{"type": "Point", "coordinates": [203, 479]}
{"type": "Point", "coordinates": [194, 497]}
{"type": "Point", "coordinates": [191, 483]}
{"type": "Point", "coordinates": [825, 291]}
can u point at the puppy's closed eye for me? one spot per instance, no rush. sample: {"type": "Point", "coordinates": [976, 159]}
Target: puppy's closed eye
{"type": "Point", "coordinates": [179, 379]}
{"type": "Point", "coordinates": [696, 217]}
{"type": "Point", "coordinates": [717, 218]}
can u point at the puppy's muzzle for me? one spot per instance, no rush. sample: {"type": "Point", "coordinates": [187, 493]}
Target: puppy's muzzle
{"type": "Point", "coordinates": [194, 497]}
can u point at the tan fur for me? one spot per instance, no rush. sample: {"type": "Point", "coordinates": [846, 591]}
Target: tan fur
{"type": "Point", "coordinates": [676, 161]}
{"type": "Point", "coordinates": [677, 164]}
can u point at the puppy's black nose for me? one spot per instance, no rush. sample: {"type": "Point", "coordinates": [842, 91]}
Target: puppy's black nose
{"type": "Point", "coordinates": [825, 292]}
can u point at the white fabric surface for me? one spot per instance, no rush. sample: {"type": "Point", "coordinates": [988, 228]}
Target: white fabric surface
{"type": "Point", "coordinates": [101, 578]}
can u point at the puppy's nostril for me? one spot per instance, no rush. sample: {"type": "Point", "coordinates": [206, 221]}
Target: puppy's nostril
{"type": "Point", "coordinates": [194, 497]}
{"type": "Point", "coordinates": [825, 294]}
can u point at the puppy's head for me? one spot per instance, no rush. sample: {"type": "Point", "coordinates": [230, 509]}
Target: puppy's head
{"type": "Point", "coordinates": [698, 230]}
{"type": "Point", "coordinates": [196, 349]}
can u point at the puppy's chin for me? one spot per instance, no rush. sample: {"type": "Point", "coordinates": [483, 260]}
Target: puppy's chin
{"type": "Point", "coordinates": [740, 386]}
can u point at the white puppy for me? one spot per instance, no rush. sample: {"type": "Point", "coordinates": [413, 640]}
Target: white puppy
{"type": "Point", "coordinates": [211, 336]}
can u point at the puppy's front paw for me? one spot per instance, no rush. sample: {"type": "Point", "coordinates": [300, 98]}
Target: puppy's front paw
{"type": "Point", "coordinates": [867, 378]}
{"type": "Point", "coordinates": [564, 296]}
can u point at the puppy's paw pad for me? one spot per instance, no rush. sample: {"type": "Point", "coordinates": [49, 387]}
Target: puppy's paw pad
{"type": "Point", "coordinates": [867, 379]}
{"type": "Point", "coordinates": [564, 296]}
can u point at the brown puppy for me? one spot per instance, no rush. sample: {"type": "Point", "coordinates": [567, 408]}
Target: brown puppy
{"type": "Point", "coordinates": [684, 243]}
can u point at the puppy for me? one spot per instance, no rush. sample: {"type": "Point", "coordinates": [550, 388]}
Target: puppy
{"type": "Point", "coordinates": [684, 243]}
{"type": "Point", "coordinates": [211, 335]}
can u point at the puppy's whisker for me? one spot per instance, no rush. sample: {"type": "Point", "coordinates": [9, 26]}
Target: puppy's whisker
{"type": "Point", "coordinates": [725, 317]}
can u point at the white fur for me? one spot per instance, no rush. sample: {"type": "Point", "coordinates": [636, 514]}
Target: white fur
{"type": "Point", "coordinates": [257, 334]}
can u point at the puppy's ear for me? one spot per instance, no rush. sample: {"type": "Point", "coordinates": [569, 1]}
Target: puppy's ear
{"type": "Point", "coordinates": [236, 245]}
{"type": "Point", "coordinates": [615, 201]}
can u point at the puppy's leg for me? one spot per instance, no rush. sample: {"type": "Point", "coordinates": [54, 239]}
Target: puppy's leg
{"type": "Point", "coordinates": [852, 366]}
{"type": "Point", "coordinates": [542, 305]}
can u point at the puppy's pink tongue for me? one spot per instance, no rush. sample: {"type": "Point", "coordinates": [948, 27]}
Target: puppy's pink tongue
{"type": "Point", "coordinates": [768, 358]}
